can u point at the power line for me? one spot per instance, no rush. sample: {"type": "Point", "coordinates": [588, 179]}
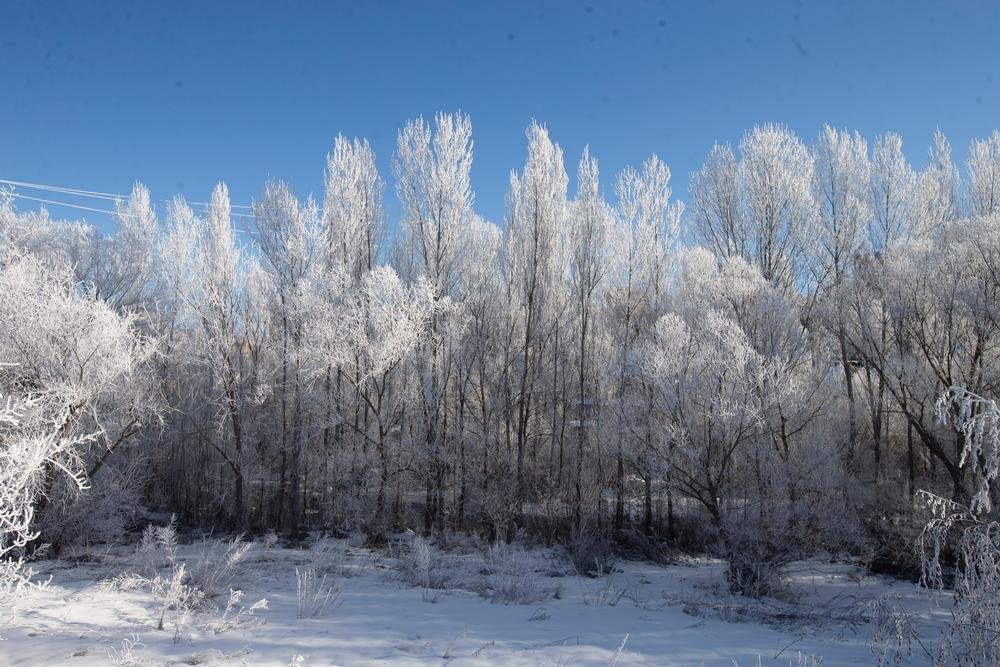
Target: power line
{"type": "Point", "coordinates": [53, 188]}
{"type": "Point", "coordinates": [98, 195]}
{"type": "Point", "coordinates": [51, 202]}
{"type": "Point", "coordinates": [68, 205]}
{"type": "Point", "coordinates": [107, 196]}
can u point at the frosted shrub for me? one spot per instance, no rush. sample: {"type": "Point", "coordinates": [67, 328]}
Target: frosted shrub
{"type": "Point", "coordinates": [157, 547]}
{"type": "Point", "coordinates": [419, 563]}
{"type": "Point", "coordinates": [790, 509]}
{"type": "Point", "coordinates": [101, 513]}
{"type": "Point", "coordinates": [327, 558]}
{"type": "Point", "coordinates": [422, 565]}
{"type": "Point", "coordinates": [270, 539]}
{"type": "Point", "coordinates": [509, 576]}
{"type": "Point", "coordinates": [591, 553]}
{"type": "Point", "coordinates": [893, 632]}
{"type": "Point", "coordinates": [187, 587]}
{"type": "Point", "coordinates": [609, 592]}
{"type": "Point", "coordinates": [176, 599]}
{"type": "Point", "coordinates": [313, 593]}
{"type": "Point", "coordinates": [755, 561]}
{"type": "Point", "coordinates": [63, 355]}
{"type": "Point", "coordinates": [125, 656]}
{"type": "Point", "coordinates": [177, 596]}
{"type": "Point", "coordinates": [237, 615]}
{"type": "Point", "coordinates": [29, 445]}
{"type": "Point", "coordinates": [217, 563]}
{"type": "Point", "coordinates": [973, 635]}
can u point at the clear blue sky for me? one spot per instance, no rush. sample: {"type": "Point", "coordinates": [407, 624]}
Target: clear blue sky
{"type": "Point", "coordinates": [179, 95]}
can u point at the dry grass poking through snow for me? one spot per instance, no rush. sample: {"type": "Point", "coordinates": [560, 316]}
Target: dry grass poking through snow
{"type": "Point", "coordinates": [492, 604]}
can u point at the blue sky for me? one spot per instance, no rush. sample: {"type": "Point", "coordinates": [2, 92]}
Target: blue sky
{"type": "Point", "coordinates": [180, 95]}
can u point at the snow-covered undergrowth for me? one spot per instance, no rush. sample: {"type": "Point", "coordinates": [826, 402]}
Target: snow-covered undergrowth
{"type": "Point", "coordinates": [184, 588]}
{"type": "Point", "coordinates": [502, 573]}
{"type": "Point", "coordinates": [331, 602]}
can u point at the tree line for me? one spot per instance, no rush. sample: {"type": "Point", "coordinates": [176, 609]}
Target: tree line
{"type": "Point", "coordinates": [753, 373]}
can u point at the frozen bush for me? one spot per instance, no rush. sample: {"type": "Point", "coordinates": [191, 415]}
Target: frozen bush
{"type": "Point", "coordinates": [313, 593]}
{"type": "Point", "coordinates": [790, 508]}
{"type": "Point", "coordinates": [28, 448]}
{"type": "Point", "coordinates": [755, 563]}
{"type": "Point", "coordinates": [508, 576]}
{"type": "Point", "coordinates": [609, 592]}
{"type": "Point", "coordinates": [84, 363]}
{"type": "Point", "coordinates": [590, 553]}
{"type": "Point", "coordinates": [893, 632]}
{"type": "Point", "coordinates": [125, 656]}
{"type": "Point", "coordinates": [421, 564]}
{"type": "Point", "coordinates": [270, 539]}
{"type": "Point", "coordinates": [101, 514]}
{"type": "Point", "coordinates": [64, 356]}
{"type": "Point", "coordinates": [973, 635]}
{"type": "Point", "coordinates": [157, 547]}
{"type": "Point", "coordinates": [236, 615]}
{"type": "Point", "coordinates": [188, 587]}
{"type": "Point", "coordinates": [217, 563]}
{"type": "Point", "coordinates": [327, 557]}
{"type": "Point", "coordinates": [176, 599]}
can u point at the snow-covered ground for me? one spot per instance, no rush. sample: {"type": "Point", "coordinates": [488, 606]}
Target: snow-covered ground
{"type": "Point", "coordinates": [643, 614]}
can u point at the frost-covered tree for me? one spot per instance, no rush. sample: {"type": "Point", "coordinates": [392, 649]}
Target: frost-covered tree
{"type": "Point", "coordinates": [65, 357]}
{"type": "Point", "coordinates": [287, 236]}
{"type": "Point", "coordinates": [387, 322]}
{"type": "Point", "coordinates": [759, 207]}
{"type": "Point", "coordinates": [353, 230]}
{"type": "Point", "coordinates": [124, 262]}
{"type": "Point", "coordinates": [736, 404]}
{"type": "Point", "coordinates": [353, 218]}
{"type": "Point", "coordinates": [33, 446]}
{"type": "Point", "coordinates": [640, 256]}
{"type": "Point", "coordinates": [432, 182]}
{"type": "Point", "coordinates": [536, 214]}
{"type": "Point", "coordinates": [747, 373]}
{"type": "Point", "coordinates": [214, 282]}
{"type": "Point", "coordinates": [984, 175]}
{"type": "Point", "coordinates": [893, 184]}
{"type": "Point", "coordinates": [938, 193]}
{"type": "Point", "coordinates": [841, 190]}
{"type": "Point", "coordinates": [775, 175]}
{"type": "Point", "coordinates": [717, 216]}
{"type": "Point", "coordinates": [590, 221]}
{"type": "Point", "coordinates": [474, 399]}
